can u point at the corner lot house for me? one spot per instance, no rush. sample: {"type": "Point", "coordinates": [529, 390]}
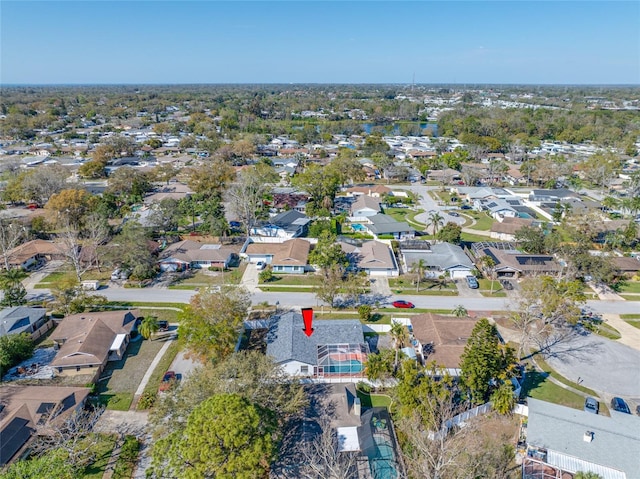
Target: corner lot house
{"type": "Point", "coordinates": [289, 257]}
{"type": "Point", "coordinates": [194, 255]}
{"type": "Point", "coordinates": [22, 408]}
{"type": "Point", "coordinates": [563, 440]}
{"type": "Point", "coordinates": [335, 350]}
{"type": "Point", "coordinates": [86, 341]}
{"type": "Point", "coordinates": [22, 319]}
{"type": "Point", "coordinates": [441, 339]}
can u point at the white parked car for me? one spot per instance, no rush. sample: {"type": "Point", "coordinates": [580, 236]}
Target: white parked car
{"type": "Point", "coordinates": [260, 265]}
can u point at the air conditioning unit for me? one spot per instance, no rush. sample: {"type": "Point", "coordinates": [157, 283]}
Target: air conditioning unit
{"type": "Point", "coordinates": [588, 436]}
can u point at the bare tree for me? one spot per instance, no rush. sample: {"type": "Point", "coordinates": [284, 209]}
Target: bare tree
{"type": "Point", "coordinates": [246, 195]}
{"type": "Point", "coordinates": [72, 435]}
{"type": "Point", "coordinates": [96, 232]}
{"type": "Point", "coordinates": [320, 457]}
{"type": "Point", "coordinates": [44, 182]}
{"type": "Point", "coordinates": [12, 234]}
{"type": "Point", "coordinates": [71, 247]}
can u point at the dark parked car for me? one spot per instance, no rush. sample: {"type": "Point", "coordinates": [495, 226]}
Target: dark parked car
{"type": "Point", "coordinates": [472, 282]}
{"type": "Point", "coordinates": [465, 207]}
{"type": "Point", "coordinates": [163, 325]}
{"type": "Point", "coordinates": [403, 304]}
{"type": "Point", "coordinates": [591, 405]}
{"type": "Point", "coordinates": [453, 213]}
{"type": "Point", "coordinates": [618, 404]}
{"type": "Point", "coordinates": [506, 284]}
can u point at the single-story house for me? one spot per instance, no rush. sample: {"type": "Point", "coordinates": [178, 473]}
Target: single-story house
{"type": "Point", "coordinates": [190, 254]}
{"type": "Point", "coordinates": [292, 256]}
{"type": "Point", "coordinates": [439, 258]}
{"type": "Point", "coordinates": [537, 197]}
{"type": "Point", "coordinates": [446, 175]}
{"type": "Point", "coordinates": [86, 341]}
{"type": "Point", "coordinates": [375, 191]}
{"type": "Point", "coordinates": [564, 440]}
{"type": "Point", "coordinates": [25, 408]}
{"type": "Point", "coordinates": [505, 228]}
{"type": "Point", "coordinates": [29, 254]}
{"type": "Point", "coordinates": [510, 262]}
{"type": "Point", "coordinates": [626, 265]}
{"type": "Point", "coordinates": [373, 257]}
{"type": "Point", "coordinates": [383, 225]}
{"type": "Point", "coordinates": [364, 207]}
{"type": "Point", "coordinates": [336, 349]}
{"type": "Point", "coordinates": [22, 319]}
{"type": "Point", "coordinates": [285, 225]}
{"type": "Point", "coordinates": [441, 339]}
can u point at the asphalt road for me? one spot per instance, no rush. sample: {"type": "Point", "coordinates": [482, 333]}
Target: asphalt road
{"type": "Point", "coordinates": [297, 300]}
{"type": "Point", "coordinates": [602, 365]}
{"type": "Point", "coordinates": [427, 203]}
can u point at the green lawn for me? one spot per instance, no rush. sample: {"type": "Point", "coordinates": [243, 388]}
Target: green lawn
{"type": "Point", "coordinates": [488, 285]}
{"type": "Point", "coordinates": [102, 451]}
{"type": "Point", "coordinates": [549, 370]}
{"type": "Point", "coordinates": [161, 368]}
{"type": "Point", "coordinates": [124, 376]}
{"type": "Point", "coordinates": [127, 459]}
{"type": "Point", "coordinates": [475, 238]}
{"type": "Point", "coordinates": [483, 221]}
{"type": "Point", "coordinates": [630, 287]}
{"type": "Point", "coordinates": [374, 400]}
{"type": "Point", "coordinates": [629, 316]}
{"type": "Point", "coordinates": [495, 294]}
{"type": "Point", "coordinates": [630, 297]}
{"type": "Point", "coordinates": [538, 386]}
{"type": "Point", "coordinates": [207, 278]}
{"type": "Point", "coordinates": [162, 314]}
{"type": "Point", "coordinates": [287, 289]}
{"type": "Point", "coordinates": [633, 322]}
{"type": "Point", "coordinates": [295, 280]}
{"type": "Point", "coordinates": [58, 276]}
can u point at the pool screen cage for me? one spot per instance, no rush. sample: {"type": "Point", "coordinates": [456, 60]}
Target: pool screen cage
{"type": "Point", "coordinates": [342, 359]}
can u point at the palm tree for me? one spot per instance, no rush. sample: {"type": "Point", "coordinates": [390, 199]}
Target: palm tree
{"type": "Point", "coordinates": [12, 277]}
{"type": "Point", "coordinates": [436, 220]}
{"type": "Point", "coordinates": [399, 335]}
{"type": "Point", "coordinates": [609, 202]}
{"type": "Point", "coordinates": [489, 263]}
{"type": "Point", "coordinates": [418, 269]}
{"type": "Point", "coordinates": [460, 311]}
{"type": "Point", "coordinates": [148, 326]}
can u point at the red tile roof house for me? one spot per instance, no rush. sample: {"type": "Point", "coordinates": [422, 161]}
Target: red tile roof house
{"type": "Point", "coordinates": [86, 341]}
{"type": "Point", "coordinates": [24, 408]}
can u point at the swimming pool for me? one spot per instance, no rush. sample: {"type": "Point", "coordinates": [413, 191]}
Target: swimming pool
{"type": "Point", "coordinates": [382, 463]}
{"type": "Point", "coordinates": [358, 227]}
{"type": "Point", "coordinates": [351, 366]}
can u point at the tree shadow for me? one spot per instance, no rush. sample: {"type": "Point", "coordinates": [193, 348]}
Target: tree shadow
{"type": "Point", "coordinates": [533, 379]}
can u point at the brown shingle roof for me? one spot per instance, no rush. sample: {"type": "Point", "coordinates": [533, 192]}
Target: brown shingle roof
{"type": "Point", "coordinates": [447, 334]}
{"type": "Point", "coordinates": [293, 252]}
{"type": "Point", "coordinates": [87, 337]}
{"type": "Point", "coordinates": [189, 251]}
{"type": "Point", "coordinates": [510, 225]}
{"type": "Point", "coordinates": [375, 255]}
{"type": "Point", "coordinates": [22, 253]}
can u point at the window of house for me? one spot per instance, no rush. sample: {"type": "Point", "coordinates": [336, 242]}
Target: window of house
{"type": "Point", "coordinates": [304, 369]}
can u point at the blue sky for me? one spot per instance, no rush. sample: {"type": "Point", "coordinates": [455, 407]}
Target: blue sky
{"type": "Point", "coordinates": [320, 42]}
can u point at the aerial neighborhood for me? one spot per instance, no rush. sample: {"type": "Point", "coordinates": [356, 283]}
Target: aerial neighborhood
{"type": "Point", "coordinates": [320, 281]}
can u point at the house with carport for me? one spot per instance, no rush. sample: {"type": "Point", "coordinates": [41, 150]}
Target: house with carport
{"type": "Point", "coordinates": [291, 256]}
{"type": "Point", "coordinates": [189, 254]}
{"type": "Point", "coordinates": [85, 342]}
{"type": "Point", "coordinates": [439, 258]}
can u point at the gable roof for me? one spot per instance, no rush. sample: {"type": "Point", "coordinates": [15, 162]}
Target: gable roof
{"type": "Point", "coordinates": [286, 340]}
{"type": "Point", "coordinates": [24, 407]}
{"type": "Point", "coordinates": [375, 255]}
{"type": "Point", "coordinates": [286, 219]}
{"type": "Point", "coordinates": [87, 337]}
{"type": "Point", "coordinates": [365, 201]}
{"type": "Point", "coordinates": [510, 225]}
{"type": "Point", "coordinates": [370, 190]}
{"type": "Point", "coordinates": [25, 251]}
{"type": "Point", "coordinates": [17, 319]}
{"type": "Point", "coordinates": [522, 262]}
{"type": "Point", "coordinates": [447, 334]}
{"type": "Point", "coordinates": [615, 445]}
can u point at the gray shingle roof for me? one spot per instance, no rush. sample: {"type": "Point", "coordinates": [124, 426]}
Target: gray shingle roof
{"type": "Point", "coordinates": [287, 342]}
{"type": "Point", "coordinates": [17, 319]}
{"type": "Point", "coordinates": [383, 224]}
{"type": "Point", "coordinates": [442, 255]}
{"type": "Point", "coordinates": [615, 445]}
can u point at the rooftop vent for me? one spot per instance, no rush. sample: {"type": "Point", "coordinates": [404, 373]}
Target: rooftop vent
{"type": "Point", "coordinates": [588, 436]}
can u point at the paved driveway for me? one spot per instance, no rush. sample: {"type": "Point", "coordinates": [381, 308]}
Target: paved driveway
{"type": "Point", "coordinates": [602, 365]}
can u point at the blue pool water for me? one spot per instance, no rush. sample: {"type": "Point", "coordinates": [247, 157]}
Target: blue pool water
{"type": "Point", "coordinates": [352, 366]}
{"type": "Point", "coordinates": [382, 465]}
{"type": "Point", "coordinates": [358, 227]}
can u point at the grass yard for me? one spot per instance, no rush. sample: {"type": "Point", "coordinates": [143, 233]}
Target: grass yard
{"type": "Point", "coordinates": [102, 450]}
{"type": "Point", "coordinates": [632, 319]}
{"type": "Point", "coordinates": [202, 278]}
{"type": "Point", "coordinates": [495, 294]}
{"type": "Point", "coordinates": [127, 459]}
{"type": "Point", "coordinates": [549, 370]}
{"type": "Point", "coordinates": [473, 238]}
{"type": "Point", "coordinates": [124, 376]}
{"type": "Point", "coordinates": [483, 220]}
{"type": "Point", "coordinates": [162, 367]}
{"type": "Point", "coordinates": [404, 285]}
{"type": "Point", "coordinates": [287, 289]}
{"type": "Point", "coordinates": [58, 276]}
{"type": "Point", "coordinates": [630, 287]}
{"type": "Point", "coordinates": [538, 386]}
{"type": "Point", "coordinates": [631, 297]}
{"type": "Point", "coordinates": [295, 280]}
{"type": "Point", "coordinates": [374, 400]}
{"type": "Point", "coordinates": [162, 314]}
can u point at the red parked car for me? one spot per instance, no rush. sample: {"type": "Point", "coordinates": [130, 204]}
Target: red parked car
{"type": "Point", "coordinates": [403, 304]}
